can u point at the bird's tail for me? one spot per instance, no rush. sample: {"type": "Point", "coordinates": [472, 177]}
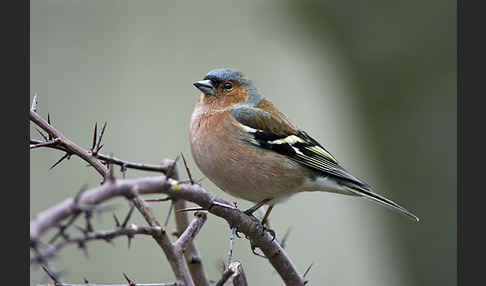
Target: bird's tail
{"type": "Point", "coordinates": [361, 191]}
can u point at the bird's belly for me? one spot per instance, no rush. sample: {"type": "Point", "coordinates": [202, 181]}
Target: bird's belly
{"type": "Point", "coordinates": [243, 170]}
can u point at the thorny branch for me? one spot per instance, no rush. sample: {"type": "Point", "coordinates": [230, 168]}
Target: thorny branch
{"type": "Point", "coordinates": [70, 147]}
{"type": "Point", "coordinates": [191, 253]}
{"type": "Point", "coordinates": [107, 236]}
{"type": "Point", "coordinates": [108, 159]}
{"type": "Point", "coordinates": [176, 190]}
{"type": "Point", "coordinates": [193, 193]}
{"type": "Point", "coordinates": [130, 282]}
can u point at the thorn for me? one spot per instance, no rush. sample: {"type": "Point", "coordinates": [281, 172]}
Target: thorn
{"type": "Point", "coordinates": [87, 215]}
{"type": "Point", "coordinates": [187, 169]}
{"type": "Point", "coordinates": [125, 221]}
{"type": "Point", "coordinates": [159, 200]}
{"type": "Point", "coordinates": [84, 231]}
{"type": "Point", "coordinates": [117, 222]}
{"type": "Point", "coordinates": [49, 122]}
{"type": "Point", "coordinates": [191, 209]}
{"type": "Point", "coordinates": [130, 282]}
{"type": "Point", "coordinates": [129, 237]}
{"type": "Point", "coordinates": [52, 275]}
{"type": "Point", "coordinates": [45, 144]}
{"type": "Point", "coordinates": [170, 170]}
{"type": "Point", "coordinates": [59, 161]}
{"type": "Point", "coordinates": [34, 103]}
{"type": "Point", "coordinates": [101, 137]}
{"type": "Point", "coordinates": [95, 136]}
{"type": "Point", "coordinates": [99, 148]}
{"type": "Point", "coordinates": [82, 246]}
{"type": "Point", "coordinates": [42, 134]}
{"type": "Point", "coordinates": [253, 247]}
{"type": "Point", "coordinates": [308, 269]}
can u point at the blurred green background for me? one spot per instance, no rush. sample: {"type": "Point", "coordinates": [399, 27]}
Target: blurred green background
{"type": "Point", "coordinates": [373, 81]}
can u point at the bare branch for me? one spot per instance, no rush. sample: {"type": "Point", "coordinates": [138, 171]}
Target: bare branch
{"type": "Point", "coordinates": [191, 231]}
{"type": "Point", "coordinates": [169, 185]}
{"type": "Point", "coordinates": [193, 193]}
{"type": "Point", "coordinates": [45, 144]}
{"type": "Point", "coordinates": [162, 168]}
{"type": "Point", "coordinates": [191, 253]}
{"type": "Point", "coordinates": [107, 236]}
{"type": "Point", "coordinates": [71, 148]}
{"type": "Point", "coordinates": [175, 258]}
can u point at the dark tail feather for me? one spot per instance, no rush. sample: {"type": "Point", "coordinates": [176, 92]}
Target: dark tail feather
{"type": "Point", "coordinates": [381, 200]}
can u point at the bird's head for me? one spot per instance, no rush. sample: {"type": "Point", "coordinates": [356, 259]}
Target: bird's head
{"type": "Point", "coordinates": [226, 87]}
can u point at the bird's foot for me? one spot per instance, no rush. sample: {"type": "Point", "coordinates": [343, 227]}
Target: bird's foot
{"type": "Point", "coordinates": [253, 250]}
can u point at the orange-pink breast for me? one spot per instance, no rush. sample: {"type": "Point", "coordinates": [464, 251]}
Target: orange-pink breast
{"type": "Point", "coordinates": [236, 167]}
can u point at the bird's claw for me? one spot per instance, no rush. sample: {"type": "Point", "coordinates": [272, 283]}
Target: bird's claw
{"type": "Point", "coordinates": [253, 247]}
{"type": "Point", "coordinates": [271, 231]}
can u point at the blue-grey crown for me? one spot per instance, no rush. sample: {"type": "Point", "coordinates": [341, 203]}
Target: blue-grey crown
{"type": "Point", "coordinates": [220, 75]}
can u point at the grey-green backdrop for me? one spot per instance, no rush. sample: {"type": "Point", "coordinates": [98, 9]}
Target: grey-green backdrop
{"type": "Point", "coordinates": [374, 82]}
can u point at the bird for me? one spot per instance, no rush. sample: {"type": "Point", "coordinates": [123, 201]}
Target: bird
{"type": "Point", "coordinates": [248, 148]}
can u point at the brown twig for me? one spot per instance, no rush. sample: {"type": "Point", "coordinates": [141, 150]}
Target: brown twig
{"type": "Point", "coordinates": [174, 256]}
{"type": "Point", "coordinates": [193, 193]}
{"type": "Point", "coordinates": [70, 147]}
{"type": "Point", "coordinates": [178, 191]}
{"type": "Point", "coordinates": [162, 168]}
{"type": "Point", "coordinates": [191, 231]}
{"type": "Point", "coordinates": [107, 236]}
{"type": "Point", "coordinates": [191, 253]}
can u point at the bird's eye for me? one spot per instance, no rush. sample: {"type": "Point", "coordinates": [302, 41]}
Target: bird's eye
{"type": "Point", "coordinates": [227, 86]}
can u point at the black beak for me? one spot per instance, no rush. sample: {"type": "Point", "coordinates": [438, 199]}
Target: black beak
{"type": "Point", "coordinates": [206, 86]}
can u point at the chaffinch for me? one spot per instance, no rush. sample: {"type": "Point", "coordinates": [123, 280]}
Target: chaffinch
{"type": "Point", "coordinates": [249, 149]}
